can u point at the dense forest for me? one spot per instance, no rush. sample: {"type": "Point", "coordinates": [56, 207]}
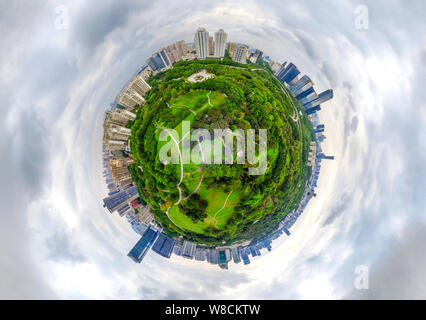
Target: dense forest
{"type": "Point", "coordinates": [242, 97]}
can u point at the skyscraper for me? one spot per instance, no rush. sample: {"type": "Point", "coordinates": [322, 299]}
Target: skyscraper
{"type": "Point", "coordinates": [139, 85]}
{"type": "Point", "coordinates": [308, 98]}
{"type": "Point", "coordinates": [220, 38]}
{"type": "Point", "coordinates": [322, 97]}
{"type": "Point", "coordinates": [140, 249]}
{"type": "Point", "coordinates": [201, 40]}
{"type": "Point", "coordinates": [175, 51]}
{"type": "Point", "coordinates": [129, 99]}
{"type": "Point", "coordinates": [319, 128]}
{"type": "Point", "coordinates": [165, 57]}
{"type": "Point", "coordinates": [158, 60]}
{"type": "Point", "coordinates": [236, 255]}
{"type": "Point", "coordinates": [313, 110]}
{"type": "Point", "coordinates": [119, 199]}
{"type": "Point", "coordinates": [188, 250]}
{"type": "Point", "coordinates": [280, 72]}
{"type": "Point", "coordinates": [302, 85]}
{"type": "Point", "coordinates": [323, 156]}
{"type": "Point", "coordinates": [164, 245]}
{"type": "Point", "coordinates": [288, 73]}
{"type": "Point", "coordinates": [305, 93]}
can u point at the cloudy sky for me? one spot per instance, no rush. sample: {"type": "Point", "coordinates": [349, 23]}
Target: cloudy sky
{"type": "Point", "coordinates": [62, 64]}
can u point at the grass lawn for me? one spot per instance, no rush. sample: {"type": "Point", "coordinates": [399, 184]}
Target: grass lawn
{"type": "Point", "coordinates": [218, 212]}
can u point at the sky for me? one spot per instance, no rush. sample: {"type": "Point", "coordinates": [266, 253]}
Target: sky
{"type": "Point", "coordinates": [63, 62]}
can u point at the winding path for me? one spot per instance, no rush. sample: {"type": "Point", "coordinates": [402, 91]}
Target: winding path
{"type": "Point", "coordinates": [181, 163]}
{"type": "Point", "coordinates": [223, 207]}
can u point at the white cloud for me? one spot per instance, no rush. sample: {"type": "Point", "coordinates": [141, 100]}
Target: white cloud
{"type": "Point", "coordinates": [55, 86]}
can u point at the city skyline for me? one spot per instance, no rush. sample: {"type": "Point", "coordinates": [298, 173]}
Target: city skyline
{"type": "Point", "coordinates": [123, 193]}
{"type": "Point", "coordinates": [59, 77]}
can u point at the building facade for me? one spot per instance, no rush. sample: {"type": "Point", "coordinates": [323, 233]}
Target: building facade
{"type": "Point", "coordinates": [220, 38]}
{"type": "Point", "coordinates": [201, 40]}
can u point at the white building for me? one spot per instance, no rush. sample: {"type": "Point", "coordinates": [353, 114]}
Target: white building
{"type": "Point", "coordinates": [201, 40]}
{"type": "Point", "coordinates": [220, 38]}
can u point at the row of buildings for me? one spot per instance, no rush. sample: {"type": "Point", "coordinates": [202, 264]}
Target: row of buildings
{"type": "Point", "coordinates": [123, 196]}
{"type": "Point", "coordinates": [207, 47]}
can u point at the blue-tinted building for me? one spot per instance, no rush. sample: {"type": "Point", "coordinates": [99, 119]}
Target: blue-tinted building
{"type": "Point", "coordinates": [301, 85]}
{"type": "Point", "coordinates": [222, 257]}
{"type": "Point", "coordinates": [313, 110]}
{"type": "Point", "coordinates": [323, 156]}
{"type": "Point", "coordinates": [165, 57]}
{"type": "Point", "coordinates": [288, 73]}
{"type": "Point", "coordinates": [322, 97]}
{"type": "Point", "coordinates": [305, 93]}
{"type": "Point", "coordinates": [119, 199]}
{"type": "Point", "coordinates": [124, 209]}
{"type": "Point", "coordinates": [319, 129]}
{"type": "Point", "coordinates": [156, 62]}
{"type": "Point", "coordinates": [280, 71]}
{"type": "Point", "coordinates": [245, 257]}
{"type": "Point", "coordinates": [140, 249]}
{"type": "Point", "coordinates": [164, 245]}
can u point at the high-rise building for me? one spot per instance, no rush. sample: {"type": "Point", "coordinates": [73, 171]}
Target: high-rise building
{"type": "Point", "coordinates": [120, 198]}
{"type": "Point", "coordinates": [301, 85]}
{"type": "Point", "coordinates": [115, 131]}
{"type": "Point", "coordinates": [129, 99]}
{"type": "Point", "coordinates": [241, 54]}
{"type": "Point", "coordinates": [119, 169]}
{"type": "Point", "coordinates": [288, 73]}
{"type": "Point", "coordinates": [256, 56]}
{"type": "Point", "coordinates": [244, 256]}
{"type": "Point", "coordinates": [308, 98]}
{"type": "Point", "coordinates": [164, 245]}
{"type": "Point", "coordinates": [165, 57]}
{"type": "Point", "coordinates": [141, 248]}
{"type": "Point", "coordinates": [176, 51]}
{"type": "Point", "coordinates": [119, 116]}
{"type": "Point", "coordinates": [158, 61]}
{"type": "Point", "coordinates": [124, 210]}
{"type": "Point", "coordinates": [213, 256]}
{"type": "Point", "coordinates": [220, 38]}
{"type": "Point", "coordinates": [145, 215]}
{"type": "Point", "coordinates": [139, 85]}
{"type": "Point", "coordinates": [115, 134]}
{"type": "Point", "coordinates": [177, 250]}
{"type": "Point", "coordinates": [319, 128]}
{"type": "Point", "coordinates": [279, 73]}
{"type": "Point", "coordinates": [179, 50]}
{"type": "Point", "coordinates": [322, 97]}
{"type": "Point", "coordinates": [145, 72]}
{"type": "Point", "coordinates": [200, 254]}
{"type": "Point", "coordinates": [222, 260]}
{"type": "Point", "coordinates": [275, 66]}
{"type": "Point", "coordinates": [201, 40]}
{"type": "Point", "coordinates": [232, 47]}
{"type": "Point", "coordinates": [305, 93]}
{"type": "Point", "coordinates": [236, 255]}
{"type": "Point", "coordinates": [313, 110]}
{"type": "Point", "coordinates": [111, 144]}
{"type": "Point", "coordinates": [322, 156]}
{"type": "Point", "coordinates": [188, 250]}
